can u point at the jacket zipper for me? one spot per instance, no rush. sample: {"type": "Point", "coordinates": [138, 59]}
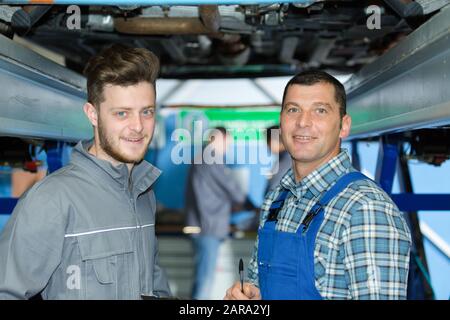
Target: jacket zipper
{"type": "Point", "coordinates": [139, 232]}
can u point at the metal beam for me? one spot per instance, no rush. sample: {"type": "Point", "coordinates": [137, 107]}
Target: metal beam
{"type": "Point", "coordinates": [418, 276]}
{"type": "Point", "coordinates": [429, 6]}
{"type": "Point", "coordinates": [55, 155]}
{"type": "Point", "coordinates": [417, 202]}
{"type": "Point", "coordinates": [7, 205]}
{"type": "Point", "coordinates": [435, 239]}
{"type": "Point", "coordinates": [147, 2]}
{"type": "Point", "coordinates": [171, 92]}
{"type": "Point", "coordinates": [386, 164]}
{"type": "Point", "coordinates": [273, 100]}
{"type": "Point", "coordinates": [40, 99]}
{"type": "Point", "coordinates": [407, 87]}
{"type": "Point", "coordinates": [356, 160]}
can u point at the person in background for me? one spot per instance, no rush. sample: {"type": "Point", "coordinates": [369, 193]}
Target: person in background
{"type": "Point", "coordinates": [22, 180]}
{"type": "Point", "coordinates": [87, 231]}
{"type": "Point", "coordinates": [211, 192]}
{"type": "Point", "coordinates": [283, 161]}
{"type": "Point", "coordinates": [326, 231]}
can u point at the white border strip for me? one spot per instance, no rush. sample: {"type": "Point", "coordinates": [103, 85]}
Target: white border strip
{"type": "Point", "coordinates": [106, 230]}
{"type": "Point", "coordinates": [431, 235]}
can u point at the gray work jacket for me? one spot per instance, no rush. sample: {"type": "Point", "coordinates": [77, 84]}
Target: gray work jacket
{"type": "Point", "coordinates": [86, 231]}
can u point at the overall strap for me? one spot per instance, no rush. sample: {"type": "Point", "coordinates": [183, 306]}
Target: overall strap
{"type": "Point", "coordinates": [340, 185]}
{"type": "Point", "coordinates": [277, 205]}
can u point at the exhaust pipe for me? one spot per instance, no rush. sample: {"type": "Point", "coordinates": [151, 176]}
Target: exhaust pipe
{"type": "Point", "coordinates": [208, 23]}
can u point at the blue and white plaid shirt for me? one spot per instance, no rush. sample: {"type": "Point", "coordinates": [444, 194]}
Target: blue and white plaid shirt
{"type": "Point", "coordinates": [363, 245]}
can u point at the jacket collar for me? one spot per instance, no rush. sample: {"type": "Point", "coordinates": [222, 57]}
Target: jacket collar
{"type": "Point", "coordinates": [143, 174]}
{"type": "Point", "coordinates": [320, 179]}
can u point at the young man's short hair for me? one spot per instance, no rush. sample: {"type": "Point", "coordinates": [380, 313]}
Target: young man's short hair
{"type": "Point", "coordinates": [119, 65]}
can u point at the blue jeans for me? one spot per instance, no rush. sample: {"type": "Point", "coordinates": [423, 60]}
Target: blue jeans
{"type": "Point", "coordinates": [206, 249]}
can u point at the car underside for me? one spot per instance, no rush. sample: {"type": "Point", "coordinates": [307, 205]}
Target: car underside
{"type": "Point", "coordinates": [210, 41]}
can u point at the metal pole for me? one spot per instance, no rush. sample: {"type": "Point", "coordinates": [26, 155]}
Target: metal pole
{"type": "Point", "coordinates": [386, 164]}
{"type": "Point", "coordinates": [55, 151]}
{"type": "Point", "coordinates": [423, 289]}
{"type": "Point", "coordinates": [356, 161]}
{"type": "Point", "coordinates": [266, 93]}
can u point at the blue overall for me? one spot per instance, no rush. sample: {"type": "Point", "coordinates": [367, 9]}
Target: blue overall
{"type": "Point", "coordinates": [286, 259]}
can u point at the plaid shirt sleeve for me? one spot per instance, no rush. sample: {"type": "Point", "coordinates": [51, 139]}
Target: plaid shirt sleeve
{"type": "Point", "coordinates": [376, 246]}
{"type": "Point", "coordinates": [252, 275]}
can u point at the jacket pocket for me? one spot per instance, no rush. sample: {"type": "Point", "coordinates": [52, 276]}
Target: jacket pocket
{"type": "Point", "coordinates": [107, 260]}
{"type": "Point", "coordinates": [104, 269]}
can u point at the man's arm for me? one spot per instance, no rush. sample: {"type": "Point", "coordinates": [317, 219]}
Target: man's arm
{"type": "Point", "coordinates": [30, 247]}
{"type": "Point", "coordinates": [376, 248]}
{"type": "Point", "coordinates": [252, 271]}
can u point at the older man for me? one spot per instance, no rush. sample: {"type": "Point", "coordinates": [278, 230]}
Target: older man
{"type": "Point", "coordinates": [327, 231]}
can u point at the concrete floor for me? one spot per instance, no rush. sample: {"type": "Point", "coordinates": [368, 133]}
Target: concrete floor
{"type": "Point", "coordinates": [177, 258]}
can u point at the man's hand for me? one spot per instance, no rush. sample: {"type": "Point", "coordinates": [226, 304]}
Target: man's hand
{"type": "Point", "coordinates": [251, 292]}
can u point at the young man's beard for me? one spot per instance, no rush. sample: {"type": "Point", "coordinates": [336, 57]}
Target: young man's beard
{"type": "Point", "coordinates": [113, 152]}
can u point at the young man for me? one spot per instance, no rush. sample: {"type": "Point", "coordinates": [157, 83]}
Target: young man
{"type": "Point", "coordinates": [327, 231]}
{"type": "Point", "coordinates": [87, 231]}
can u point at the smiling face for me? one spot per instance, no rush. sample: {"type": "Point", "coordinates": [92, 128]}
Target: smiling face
{"type": "Point", "coordinates": [311, 126]}
{"type": "Point", "coordinates": [123, 123]}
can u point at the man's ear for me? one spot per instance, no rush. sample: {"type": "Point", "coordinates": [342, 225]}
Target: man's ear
{"type": "Point", "coordinates": [346, 126]}
{"type": "Point", "coordinates": [91, 113]}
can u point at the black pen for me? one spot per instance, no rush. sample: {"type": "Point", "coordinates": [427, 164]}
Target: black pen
{"type": "Point", "coordinates": [241, 274]}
